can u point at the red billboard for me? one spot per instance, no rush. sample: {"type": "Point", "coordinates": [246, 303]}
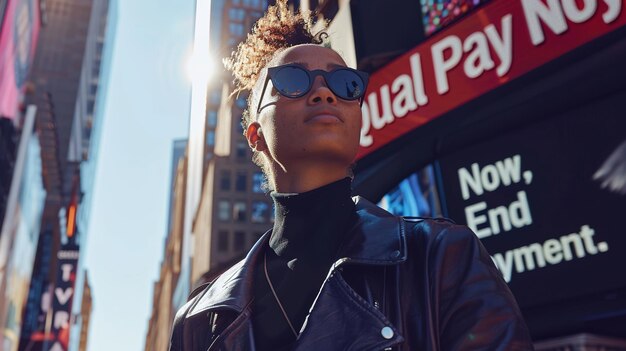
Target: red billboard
{"type": "Point", "coordinates": [18, 41]}
{"type": "Point", "coordinates": [496, 44]}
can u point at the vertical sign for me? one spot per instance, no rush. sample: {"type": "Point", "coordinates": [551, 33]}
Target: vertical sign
{"type": "Point", "coordinates": [62, 296]}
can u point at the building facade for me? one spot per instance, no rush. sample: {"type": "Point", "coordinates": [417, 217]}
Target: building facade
{"type": "Point", "coordinates": [163, 308]}
{"type": "Point", "coordinates": [216, 149]}
{"type": "Point", "coordinates": [86, 136]}
{"type": "Point", "coordinates": [86, 307]}
{"type": "Point", "coordinates": [22, 194]}
{"type": "Point", "coordinates": [20, 231]}
{"type": "Point", "coordinates": [234, 210]}
{"type": "Point", "coordinates": [69, 73]}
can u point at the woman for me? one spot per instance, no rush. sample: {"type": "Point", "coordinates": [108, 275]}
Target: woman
{"type": "Point", "coordinates": [336, 273]}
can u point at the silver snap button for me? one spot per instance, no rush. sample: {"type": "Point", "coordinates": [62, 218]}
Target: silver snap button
{"type": "Point", "coordinates": [395, 254]}
{"type": "Point", "coordinates": [386, 332]}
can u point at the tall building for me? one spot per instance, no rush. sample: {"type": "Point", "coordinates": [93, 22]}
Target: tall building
{"type": "Point", "coordinates": [86, 307]}
{"type": "Point", "coordinates": [86, 136]}
{"type": "Point", "coordinates": [217, 151]}
{"type": "Point", "coordinates": [22, 194]}
{"type": "Point", "coordinates": [234, 210]}
{"type": "Point", "coordinates": [20, 231]}
{"type": "Point", "coordinates": [178, 152]}
{"type": "Point", "coordinates": [163, 308]}
{"type": "Point", "coordinates": [69, 81]}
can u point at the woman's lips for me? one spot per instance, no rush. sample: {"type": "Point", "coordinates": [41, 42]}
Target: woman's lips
{"type": "Point", "coordinates": [324, 118]}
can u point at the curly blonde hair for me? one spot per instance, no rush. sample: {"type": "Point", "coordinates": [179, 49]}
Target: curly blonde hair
{"type": "Point", "coordinates": [277, 30]}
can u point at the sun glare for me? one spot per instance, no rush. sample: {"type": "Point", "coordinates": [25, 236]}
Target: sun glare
{"type": "Point", "coordinates": [199, 69]}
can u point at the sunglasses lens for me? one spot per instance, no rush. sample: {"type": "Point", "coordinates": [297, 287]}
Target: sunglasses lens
{"type": "Point", "coordinates": [291, 81]}
{"type": "Point", "coordinates": [347, 84]}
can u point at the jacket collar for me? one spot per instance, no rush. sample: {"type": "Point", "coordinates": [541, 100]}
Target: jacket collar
{"type": "Point", "coordinates": [378, 238]}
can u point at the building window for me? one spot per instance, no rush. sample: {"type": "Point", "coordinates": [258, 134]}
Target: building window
{"type": "Point", "coordinates": [211, 119]}
{"type": "Point", "coordinates": [240, 125]}
{"type": "Point", "coordinates": [225, 180]}
{"type": "Point", "coordinates": [210, 138]}
{"type": "Point", "coordinates": [242, 147]}
{"type": "Point", "coordinates": [260, 211]}
{"type": "Point", "coordinates": [91, 103]}
{"type": "Point", "coordinates": [241, 180]}
{"type": "Point", "coordinates": [241, 102]}
{"type": "Point", "coordinates": [236, 14]}
{"type": "Point", "coordinates": [239, 243]}
{"type": "Point", "coordinates": [93, 89]}
{"type": "Point", "coordinates": [223, 210]}
{"type": "Point", "coordinates": [236, 29]}
{"type": "Point", "coordinates": [257, 182]}
{"type": "Point", "coordinates": [222, 241]}
{"type": "Point", "coordinates": [239, 211]}
{"type": "Point", "coordinates": [253, 3]}
{"type": "Point", "coordinates": [216, 98]}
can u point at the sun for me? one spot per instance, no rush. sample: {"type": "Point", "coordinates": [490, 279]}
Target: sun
{"type": "Point", "coordinates": [199, 69]}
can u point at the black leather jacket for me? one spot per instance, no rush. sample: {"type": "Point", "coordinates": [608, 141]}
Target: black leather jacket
{"type": "Point", "coordinates": [400, 284]}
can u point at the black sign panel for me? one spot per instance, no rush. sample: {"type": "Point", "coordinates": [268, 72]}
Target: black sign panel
{"type": "Point", "coordinates": [63, 295]}
{"type": "Point", "coordinates": [547, 201]}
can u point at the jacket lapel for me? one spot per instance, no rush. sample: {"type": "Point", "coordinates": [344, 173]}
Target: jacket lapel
{"type": "Point", "coordinates": [342, 320]}
{"type": "Point", "coordinates": [232, 290]}
{"type": "Point", "coordinates": [228, 299]}
{"type": "Point", "coordinates": [378, 238]}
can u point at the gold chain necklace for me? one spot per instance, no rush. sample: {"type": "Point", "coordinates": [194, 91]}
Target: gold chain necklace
{"type": "Point", "coordinates": [269, 281]}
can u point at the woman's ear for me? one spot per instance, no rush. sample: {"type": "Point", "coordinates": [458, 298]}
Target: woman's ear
{"type": "Point", "coordinates": [255, 137]}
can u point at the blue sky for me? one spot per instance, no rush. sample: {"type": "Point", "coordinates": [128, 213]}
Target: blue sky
{"type": "Point", "coordinates": [147, 108]}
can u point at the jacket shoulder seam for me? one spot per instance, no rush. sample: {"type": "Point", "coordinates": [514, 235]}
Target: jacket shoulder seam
{"type": "Point", "coordinates": [417, 219]}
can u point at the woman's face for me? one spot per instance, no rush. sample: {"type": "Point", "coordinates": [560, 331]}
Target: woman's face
{"type": "Point", "coordinates": [317, 128]}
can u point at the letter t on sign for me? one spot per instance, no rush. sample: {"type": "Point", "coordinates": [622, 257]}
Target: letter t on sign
{"type": "Point", "coordinates": [67, 270]}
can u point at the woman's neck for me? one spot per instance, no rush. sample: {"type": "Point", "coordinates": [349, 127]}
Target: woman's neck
{"type": "Point", "coordinates": [312, 223]}
{"type": "Point", "coordinates": [303, 176]}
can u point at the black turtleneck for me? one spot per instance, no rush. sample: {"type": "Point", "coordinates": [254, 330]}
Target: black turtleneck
{"type": "Point", "coordinates": [308, 231]}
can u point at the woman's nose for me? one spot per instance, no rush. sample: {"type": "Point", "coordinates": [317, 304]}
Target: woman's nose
{"type": "Point", "coordinates": [321, 93]}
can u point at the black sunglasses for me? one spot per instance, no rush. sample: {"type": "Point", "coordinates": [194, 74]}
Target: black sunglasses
{"type": "Point", "coordinates": [294, 81]}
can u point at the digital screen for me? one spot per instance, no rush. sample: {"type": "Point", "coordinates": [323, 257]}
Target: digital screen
{"type": "Point", "coordinates": [546, 201]}
{"type": "Point", "coordinates": [415, 196]}
{"type": "Point", "coordinates": [18, 40]}
{"type": "Point", "coordinates": [439, 13]}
